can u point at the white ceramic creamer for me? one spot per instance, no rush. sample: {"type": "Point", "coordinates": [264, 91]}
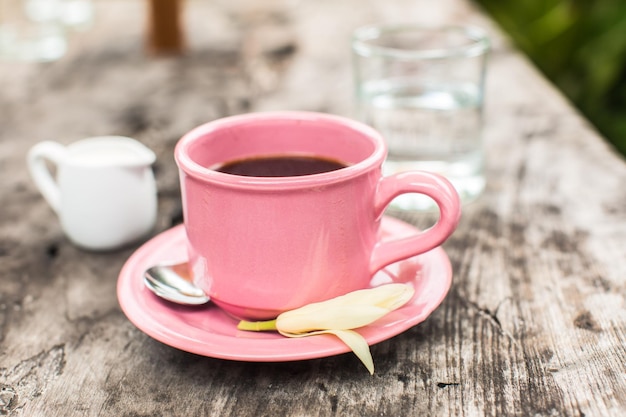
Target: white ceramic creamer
{"type": "Point", "coordinates": [104, 191]}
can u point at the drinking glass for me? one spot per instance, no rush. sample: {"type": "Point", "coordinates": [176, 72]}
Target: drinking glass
{"type": "Point", "coordinates": [422, 88]}
{"type": "Point", "coordinates": [31, 30]}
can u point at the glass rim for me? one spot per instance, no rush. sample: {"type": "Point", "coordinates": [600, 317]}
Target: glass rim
{"type": "Point", "coordinates": [363, 37]}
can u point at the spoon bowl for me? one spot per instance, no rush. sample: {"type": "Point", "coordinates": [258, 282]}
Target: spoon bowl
{"type": "Point", "coordinates": [172, 282]}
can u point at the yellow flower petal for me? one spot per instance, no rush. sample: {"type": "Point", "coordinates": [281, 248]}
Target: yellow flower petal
{"type": "Point", "coordinates": [352, 339]}
{"type": "Point", "coordinates": [338, 318]}
{"type": "Point", "coordinates": [350, 311]}
{"type": "Point", "coordinates": [389, 296]}
{"type": "Point", "coordinates": [339, 315]}
{"type": "Point", "coordinates": [359, 346]}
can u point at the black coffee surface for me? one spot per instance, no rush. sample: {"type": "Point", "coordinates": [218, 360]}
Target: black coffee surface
{"type": "Point", "coordinates": [280, 166]}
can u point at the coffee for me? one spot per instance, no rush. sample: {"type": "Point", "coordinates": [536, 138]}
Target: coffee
{"type": "Point", "coordinates": [280, 166]}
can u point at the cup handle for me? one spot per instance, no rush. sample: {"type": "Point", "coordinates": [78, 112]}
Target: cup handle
{"type": "Point", "coordinates": [432, 185]}
{"type": "Point", "coordinates": [37, 156]}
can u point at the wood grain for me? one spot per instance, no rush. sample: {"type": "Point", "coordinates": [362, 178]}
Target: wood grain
{"type": "Point", "coordinates": [534, 325]}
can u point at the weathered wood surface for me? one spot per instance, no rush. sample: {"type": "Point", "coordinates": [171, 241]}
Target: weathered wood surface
{"type": "Point", "coordinates": [535, 323]}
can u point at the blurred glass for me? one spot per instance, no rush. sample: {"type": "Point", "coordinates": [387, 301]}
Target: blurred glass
{"type": "Point", "coordinates": [422, 88]}
{"type": "Point", "coordinates": [36, 30]}
{"type": "Point", "coordinates": [77, 14]}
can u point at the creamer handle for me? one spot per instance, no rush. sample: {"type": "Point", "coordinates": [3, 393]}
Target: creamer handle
{"type": "Point", "coordinates": [37, 156]}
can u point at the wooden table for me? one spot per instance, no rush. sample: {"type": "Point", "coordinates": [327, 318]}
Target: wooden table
{"type": "Point", "coordinates": [535, 321]}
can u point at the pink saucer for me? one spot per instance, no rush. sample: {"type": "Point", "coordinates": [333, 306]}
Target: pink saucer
{"type": "Point", "coordinates": [208, 331]}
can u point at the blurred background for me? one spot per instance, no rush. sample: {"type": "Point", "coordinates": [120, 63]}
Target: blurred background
{"type": "Point", "coordinates": [580, 45]}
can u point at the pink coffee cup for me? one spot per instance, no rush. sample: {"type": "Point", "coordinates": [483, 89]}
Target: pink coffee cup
{"type": "Point", "coordinates": [259, 246]}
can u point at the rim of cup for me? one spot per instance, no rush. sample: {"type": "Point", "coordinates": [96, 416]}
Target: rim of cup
{"type": "Point", "coordinates": [187, 164]}
{"type": "Point", "coordinates": [370, 41]}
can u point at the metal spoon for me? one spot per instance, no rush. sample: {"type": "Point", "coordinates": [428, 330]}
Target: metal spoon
{"type": "Point", "coordinates": [173, 282]}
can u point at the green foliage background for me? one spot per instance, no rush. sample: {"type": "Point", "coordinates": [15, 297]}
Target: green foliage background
{"type": "Point", "coordinates": [581, 46]}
